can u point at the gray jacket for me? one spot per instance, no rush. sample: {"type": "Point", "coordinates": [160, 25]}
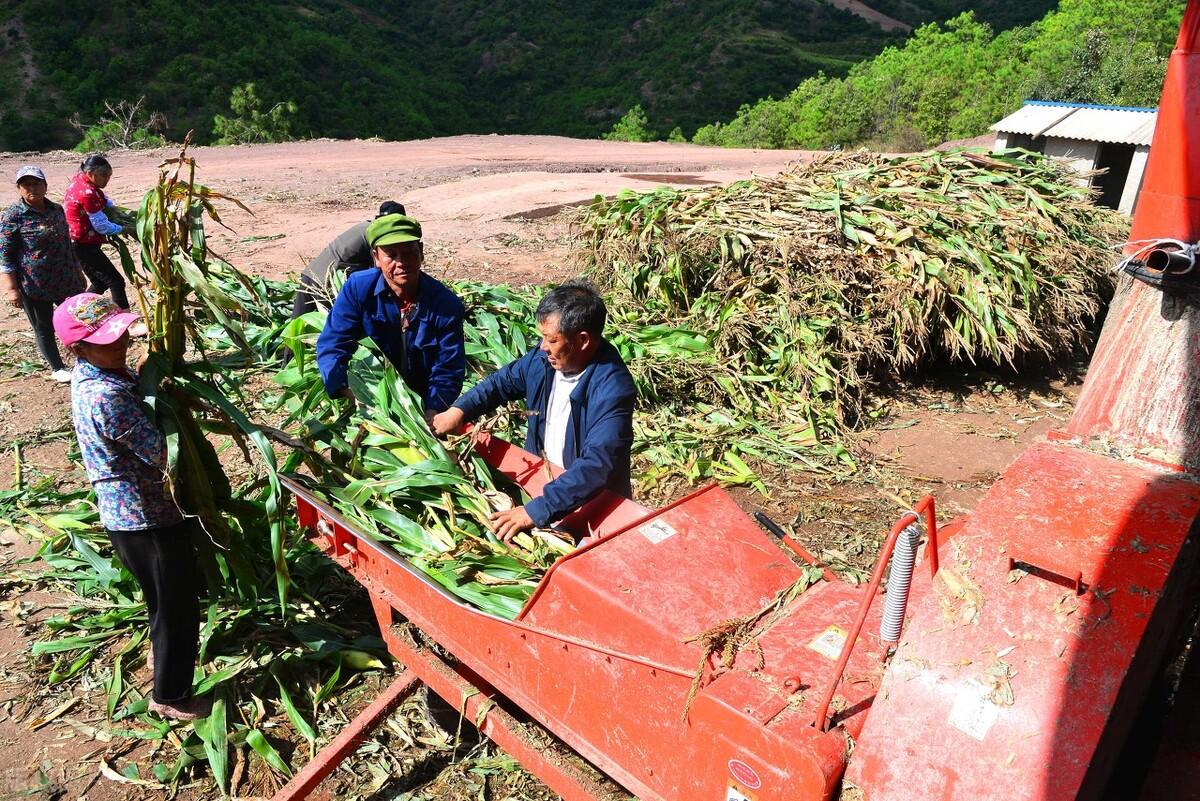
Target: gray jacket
{"type": "Point", "coordinates": [348, 252]}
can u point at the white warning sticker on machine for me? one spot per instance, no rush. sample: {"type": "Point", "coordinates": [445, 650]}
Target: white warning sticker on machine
{"type": "Point", "coordinates": [734, 794]}
{"type": "Point", "coordinates": [829, 642]}
{"type": "Point", "coordinates": [656, 531]}
{"type": "Point", "coordinates": [973, 712]}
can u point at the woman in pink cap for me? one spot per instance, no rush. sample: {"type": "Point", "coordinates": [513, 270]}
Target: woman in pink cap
{"type": "Point", "coordinates": [125, 455]}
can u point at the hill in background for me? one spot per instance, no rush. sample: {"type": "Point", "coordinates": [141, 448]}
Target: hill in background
{"type": "Point", "coordinates": [402, 70]}
{"type": "Point", "coordinates": [952, 81]}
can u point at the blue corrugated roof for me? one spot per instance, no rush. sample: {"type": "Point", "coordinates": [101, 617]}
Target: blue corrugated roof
{"type": "Point", "coordinates": [1088, 105]}
{"type": "Point", "coordinates": [1086, 121]}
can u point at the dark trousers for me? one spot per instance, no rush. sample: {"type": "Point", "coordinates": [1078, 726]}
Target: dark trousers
{"type": "Point", "coordinates": [41, 317]}
{"type": "Point", "coordinates": [164, 563]}
{"type": "Point", "coordinates": [101, 273]}
{"type": "Point", "coordinates": [305, 296]}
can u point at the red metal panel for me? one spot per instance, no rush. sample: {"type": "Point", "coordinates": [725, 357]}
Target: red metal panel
{"type": "Point", "coordinates": [1009, 680]}
{"type": "Point", "coordinates": [674, 576]}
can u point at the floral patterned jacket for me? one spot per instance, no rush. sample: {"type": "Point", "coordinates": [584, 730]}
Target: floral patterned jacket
{"type": "Point", "coordinates": [124, 453]}
{"type": "Point", "coordinates": [34, 245]}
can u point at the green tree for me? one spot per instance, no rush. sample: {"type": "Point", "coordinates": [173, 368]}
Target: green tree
{"type": "Point", "coordinates": [1127, 74]}
{"type": "Point", "coordinates": [631, 127]}
{"type": "Point", "coordinates": [251, 123]}
{"type": "Point", "coordinates": [952, 81]}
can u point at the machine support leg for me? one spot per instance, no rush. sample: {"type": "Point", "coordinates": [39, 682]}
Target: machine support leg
{"type": "Point", "coordinates": [349, 739]}
{"type": "Point", "coordinates": [571, 779]}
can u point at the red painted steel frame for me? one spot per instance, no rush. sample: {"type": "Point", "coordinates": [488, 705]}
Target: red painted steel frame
{"type": "Point", "coordinates": [601, 656]}
{"type": "Point", "coordinates": [572, 780]}
{"type": "Point", "coordinates": [349, 739]}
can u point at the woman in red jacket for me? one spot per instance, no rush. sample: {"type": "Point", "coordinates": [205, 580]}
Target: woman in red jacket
{"type": "Point", "coordinates": [84, 203]}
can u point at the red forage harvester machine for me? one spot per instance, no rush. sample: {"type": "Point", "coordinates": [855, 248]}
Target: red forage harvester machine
{"type": "Point", "coordinates": [1010, 657]}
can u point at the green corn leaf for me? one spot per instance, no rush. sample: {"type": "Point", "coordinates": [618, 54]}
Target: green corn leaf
{"type": "Point", "coordinates": [215, 736]}
{"type": "Point", "coordinates": [257, 741]}
{"type": "Point", "coordinates": [298, 722]}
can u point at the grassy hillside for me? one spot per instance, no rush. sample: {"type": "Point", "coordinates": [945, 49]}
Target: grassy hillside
{"type": "Point", "coordinates": [954, 80]}
{"type": "Point", "coordinates": [403, 70]}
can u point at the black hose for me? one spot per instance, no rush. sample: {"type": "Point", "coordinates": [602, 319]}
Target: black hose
{"type": "Point", "coordinates": [1170, 261]}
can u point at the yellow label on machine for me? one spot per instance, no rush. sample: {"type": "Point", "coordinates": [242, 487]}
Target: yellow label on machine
{"type": "Point", "coordinates": [829, 643]}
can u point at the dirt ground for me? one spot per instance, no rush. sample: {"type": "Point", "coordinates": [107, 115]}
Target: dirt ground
{"type": "Point", "coordinates": [492, 208]}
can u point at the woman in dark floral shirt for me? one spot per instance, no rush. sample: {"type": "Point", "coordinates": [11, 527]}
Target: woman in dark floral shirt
{"type": "Point", "coordinates": [38, 267]}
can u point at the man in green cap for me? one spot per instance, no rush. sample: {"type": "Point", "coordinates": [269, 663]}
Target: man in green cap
{"type": "Point", "coordinates": [414, 319]}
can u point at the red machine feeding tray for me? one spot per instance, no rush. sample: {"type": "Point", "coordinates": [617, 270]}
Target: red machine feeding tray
{"type": "Point", "coordinates": [602, 655]}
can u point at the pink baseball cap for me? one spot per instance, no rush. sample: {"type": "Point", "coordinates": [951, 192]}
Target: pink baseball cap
{"type": "Point", "coordinates": [88, 317]}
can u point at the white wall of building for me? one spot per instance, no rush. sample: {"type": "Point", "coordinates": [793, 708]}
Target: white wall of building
{"type": "Point", "coordinates": [1133, 181]}
{"type": "Point", "coordinates": [1080, 154]}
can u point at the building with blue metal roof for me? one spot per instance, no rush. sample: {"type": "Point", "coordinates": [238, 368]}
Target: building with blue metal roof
{"type": "Point", "coordinates": [1107, 145]}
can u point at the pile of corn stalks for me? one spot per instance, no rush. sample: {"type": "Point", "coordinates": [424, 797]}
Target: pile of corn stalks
{"type": "Point", "coordinates": [812, 287]}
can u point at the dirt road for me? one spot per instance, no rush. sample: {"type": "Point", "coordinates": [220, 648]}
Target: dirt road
{"type": "Point", "coordinates": [871, 15]}
{"type": "Point", "coordinates": [482, 200]}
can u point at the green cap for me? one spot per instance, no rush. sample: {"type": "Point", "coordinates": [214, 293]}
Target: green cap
{"type": "Point", "coordinates": [391, 229]}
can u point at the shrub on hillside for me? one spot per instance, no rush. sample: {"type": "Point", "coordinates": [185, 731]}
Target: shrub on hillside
{"type": "Point", "coordinates": [952, 81]}
{"type": "Point", "coordinates": [123, 126]}
{"type": "Point", "coordinates": [251, 123]}
{"type": "Point", "coordinates": [632, 127]}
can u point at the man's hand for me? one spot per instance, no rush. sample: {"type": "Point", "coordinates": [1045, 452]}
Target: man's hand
{"type": "Point", "coordinates": [348, 394]}
{"type": "Point", "coordinates": [509, 524]}
{"type": "Point", "coordinates": [14, 297]}
{"type": "Point", "coordinates": [447, 422]}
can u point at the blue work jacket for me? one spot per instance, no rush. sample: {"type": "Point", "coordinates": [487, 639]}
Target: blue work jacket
{"type": "Point", "coordinates": [599, 433]}
{"type": "Point", "coordinates": [431, 354]}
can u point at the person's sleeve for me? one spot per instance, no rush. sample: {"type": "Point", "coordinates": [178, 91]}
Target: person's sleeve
{"type": "Point", "coordinates": [318, 269]}
{"type": "Point", "coordinates": [339, 339]}
{"type": "Point", "coordinates": [604, 441]}
{"type": "Point", "coordinates": [65, 227]}
{"type": "Point", "coordinates": [10, 244]}
{"type": "Point", "coordinates": [359, 255]}
{"type": "Point", "coordinates": [102, 224]}
{"type": "Point", "coordinates": [350, 248]}
{"type": "Point", "coordinates": [503, 386]}
{"type": "Point", "coordinates": [121, 418]}
{"type": "Point", "coordinates": [450, 366]}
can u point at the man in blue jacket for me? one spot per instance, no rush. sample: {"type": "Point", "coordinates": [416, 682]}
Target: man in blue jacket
{"type": "Point", "coordinates": [581, 395]}
{"type": "Point", "coordinates": [414, 319]}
